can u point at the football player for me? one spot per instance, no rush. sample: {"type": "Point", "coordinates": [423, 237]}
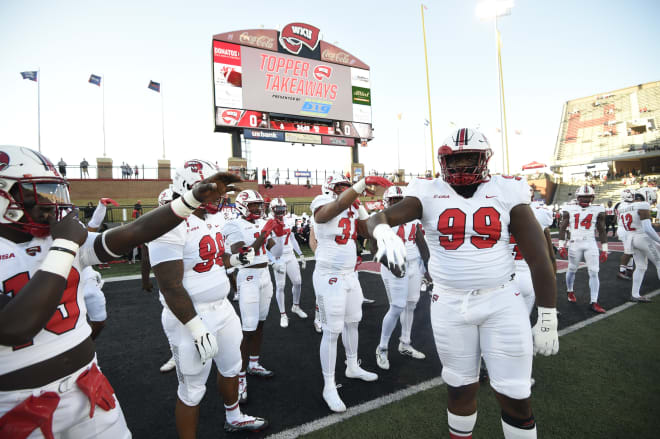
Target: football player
{"type": "Point", "coordinates": [610, 218]}
{"type": "Point", "coordinates": [626, 263]}
{"type": "Point", "coordinates": [636, 220]}
{"type": "Point", "coordinates": [313, 243]}
{"type": "Point", "coordinates": [253, 280]}
{"type": "Point", "coordinates": [286, 265]}
{"type": "Point", "coordinates": [476, 307]}
{"type": "Point", "coordinates": [583, 221]}
{"type": "Point", "coordinates": [189, 263]}
{"type": "Point", "coordinates": [337, 217]}
{"type": "Point", "coordinates": [50, 381]}
{"type": "Point", "coordinates": [403, 292]}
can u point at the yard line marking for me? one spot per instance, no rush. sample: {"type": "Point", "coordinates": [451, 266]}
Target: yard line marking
{"type": "Point", "coordinates": [374, 404]}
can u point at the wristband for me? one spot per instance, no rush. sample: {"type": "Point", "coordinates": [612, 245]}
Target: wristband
{"type": "Point", "coordinates": [362, 213]}
{"type": "Point", "coordinates": [561, 243]}
{"type": "Point", "coordinates": [196, 327]}
{"type": "Point", "coordinates": [360, 186]}
{"type": "Point", "coordinates": [603, 247]}
{"type": "Point", "coordinates": [185, 205]}
{"type": "Point", "coordinates": [235, 261]}
{"type": "Point", "coordinates": [544, 313]}
{"type": "Point", "coordinates": [60, 260]}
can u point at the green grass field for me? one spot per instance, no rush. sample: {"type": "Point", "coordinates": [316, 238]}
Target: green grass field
{"type": "Point", "coordinates": [602, 385]}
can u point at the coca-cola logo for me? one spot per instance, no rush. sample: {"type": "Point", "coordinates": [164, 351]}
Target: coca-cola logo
{"type": "Point", "coordinates": [230, 117]}
{"type": "Point", "coordinates": [321, 72]}
{"type": "Point", "coordinates": [257, 40]}
{"type": "Point", "coordinates": [339, 57]}
{"type": "Point", "coordinates": [294, 35]}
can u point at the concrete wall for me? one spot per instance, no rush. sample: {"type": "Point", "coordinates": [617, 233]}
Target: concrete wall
{"type": "Point", "coordinates": [93, 189]}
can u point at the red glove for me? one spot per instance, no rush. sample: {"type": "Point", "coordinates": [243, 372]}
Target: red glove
{"type": "Point", "coordinates": [97, 388]}
{"type": "Point", "coordinates": [380, 181]}
{"type": "Point", "coordinates": [563, 253]}
{"type": "Point", "coordinates": [35, 412]}
{"type": "Point", "coordinates": [356, 203]}
{"type": "Point", "coordinates": [603, 256]}
{"type": "Point", "coordinates": [107, 201]}
{"type": "Point", "coordinates": [268, 227]}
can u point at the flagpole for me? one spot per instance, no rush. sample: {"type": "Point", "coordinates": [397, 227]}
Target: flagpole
{"type": "Point", "coordinates": [426, 167]}
{"type": "Point", "coordinates": [162, 118]}
{"type": "Point", "coordinates": [103, 111]}
{"type": "Point", "coordinates": [428, 90]}
{"type": "Point", "coordinates": [39, 107]}
{"type": "Point", "coordinates": [499, 66]}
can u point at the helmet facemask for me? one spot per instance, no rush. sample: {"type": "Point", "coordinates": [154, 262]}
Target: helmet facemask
{"type": "Point", "coordinates": [279, 211]}
{"type": "Point", "coordinates": [585, 200]}
{"type": "Point", "coordinates": [255, 210]}
{"type": "Point", "coordinates": [464, 168]}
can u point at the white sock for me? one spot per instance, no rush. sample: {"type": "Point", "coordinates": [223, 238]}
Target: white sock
{"type": "Point", "coordinates": [511, 432]}
{"type": "Point", "coordinates": [460, 427]}
{"type": "Point", "coordinates": [254, 360]}
{"type": "Point", "coordinates": [389, 323]}
{"type": "Point", "coordinates": [232, 412]}
{"type": "Point", "coordinates": [637, 278]}
{"type": "Point", "coordinates": [406, 322]}
{"type": "Point", "coordinates": [349, 338]}
{"type": "Point", "coordinates": [594, 286]}
{"type": "Point", "coordinates": [328, 354]}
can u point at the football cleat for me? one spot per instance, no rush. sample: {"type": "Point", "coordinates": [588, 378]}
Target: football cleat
{"type": "Point", "coordinates": [260, 371]}
{"type": "Point", "coordinates": [246, 423]}
{"type": "Point", "coordinates": [359, 373]}
{"type": "Point", "coordinates": [571, 297]}
{"type": "Point", "coordinates": [331, 397]}
{"type": "Point", "coordinates": [317, 326]}
{"type": "Point", "coordinates": [622, 275]}
{"type": "Point", "coordinates": [298, 311]}
{"type": "Point", "coordinates": [168, 366]}
{"type": "Point", "coordinates": [381, 359]}
{"type": "Point", "coordinates": [284, 321]}
{"type": "Point", "coordinates": [595, 307]}
{"type": "Point", "coordinates": [406, 349]}
{"type": "Point", "coordinates": [640, 299]}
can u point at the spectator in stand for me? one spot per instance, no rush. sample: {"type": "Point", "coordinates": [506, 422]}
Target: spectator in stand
{"type": "Point", "coordinates": [62, 167]}
{"type": "Point", "coordinates": [137, 209]}
{"type": "Point", "coordinates": [123, 171]}
{"type": "Point", "coordinates": [263, 175]}
{"type": "Point", "coordinates": [137, 172]}
{"type": "Point", "coordinates": [84, 173]}
{"type": "Point", "coordinates": [277, 176]}
{"type": "Point", "coordinates": [88, 211]}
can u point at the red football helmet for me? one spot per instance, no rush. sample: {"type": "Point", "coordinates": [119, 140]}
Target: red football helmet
{"type": "Point", "coordinates": [463, 143]}
{"type": "Point", "coordinates": [28, 179]}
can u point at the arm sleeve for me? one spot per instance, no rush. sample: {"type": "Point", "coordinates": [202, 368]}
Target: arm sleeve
{"type": "Point", "coordinates": [87, 253]}
{"type": "Point", "coordinates": [648, 229]}
{"type": "Point", "coordinates": [294, 244]}
{"type": "Point", "coordinates": [98, 216]}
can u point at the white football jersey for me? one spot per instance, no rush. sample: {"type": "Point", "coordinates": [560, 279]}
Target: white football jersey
{"type": "Point", "coordinates": [582, 220]}
{"type": "Point", "coordinates": [199, 243]}
{"type": "Point", "coordinates": [544, 217]}
{"type": "Point", "coordinates": [468, 238]}
{"type": "Point", "coordinates": [407, 232]}
{"type": "Point", "coordinates": [68, 326]}
{"type": "Point", "coordinates": [240, 229]}
{"type": "Point", "coordinates": [285, 241]}
{"type": "Point", "coordinates": [336, 239]}
{"type": "Point", "coordinates": [628, 214]}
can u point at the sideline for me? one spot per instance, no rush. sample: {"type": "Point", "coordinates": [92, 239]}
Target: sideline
{"type": "Point", "coordinates": [326, 421]}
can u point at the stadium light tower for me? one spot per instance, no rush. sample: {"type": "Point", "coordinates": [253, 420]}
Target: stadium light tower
{"type": "Point", "coordinates": [491, 10]}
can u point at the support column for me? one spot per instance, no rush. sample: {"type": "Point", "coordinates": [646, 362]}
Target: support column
{"type": "Point", "coordinates": [103, 168]}
{"type": "Point", "coordinates": [164, 170]}
{"type": "Point", "coordinates": [236, 150]}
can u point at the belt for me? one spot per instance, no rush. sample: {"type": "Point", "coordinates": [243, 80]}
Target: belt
{"type": "Point", "coordinates": [584, 238]}
{"type": "Point", "coordinates": [472, 292]}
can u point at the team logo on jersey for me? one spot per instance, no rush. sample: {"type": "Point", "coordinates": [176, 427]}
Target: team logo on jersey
{"type": "Point", "coordinates": [249, 278]}
{"type": "Point", "coordinates": [435, 297]}
{"type": "Point", "coordinates": [4, 160]}
{"type": "Point", "coordinates": [294, 35]}
{"type": "Point", "coordinates": [32, 251]}
{"type": "Point", "coordinates": [332, 280]}
{"type": "Point", "coordinates": [440, 196]}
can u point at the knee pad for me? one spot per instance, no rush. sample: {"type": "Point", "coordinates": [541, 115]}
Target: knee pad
{"type": "Point", "coordinates": [232, 371]}
{"type": "Point", "coordinates": [191, 395]}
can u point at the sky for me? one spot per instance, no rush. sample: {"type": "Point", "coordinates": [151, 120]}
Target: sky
{"type": "Point", "coordinates": [552, 51]}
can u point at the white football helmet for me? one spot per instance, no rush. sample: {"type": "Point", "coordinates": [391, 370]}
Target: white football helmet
{"type": "Point", "coordinates": [331, 183]}
{"type": "Point", "coordinates": [392, 193]}
{"type": "Point", "coordinates": [166, 196]}
{"type": "Point", "coordinates": [278, 207]}
{"type": "Point", "coordinates": [627, 195]}
{"type": "Point", "coordinates": [246, 198]}
{"type": "Point", "coordinates": [28, 179]}
{"type": "Point", "coordinates": [647, 194]}
{"type": "Point", "coordinates": [192, 172]}
{"type": "Point", "coordinates": [465, 141]}
{"type": "Point", "coordinates": [585, 195]}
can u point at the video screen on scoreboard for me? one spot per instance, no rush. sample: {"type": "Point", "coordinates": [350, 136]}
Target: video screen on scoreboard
{"type": "Point", "coordinates": [270, 82]}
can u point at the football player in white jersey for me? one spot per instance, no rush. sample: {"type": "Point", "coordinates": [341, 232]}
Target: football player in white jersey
{"type": "Point", "coordinates": [583, 221]}
{"type": "Point", "coordinates": [286, 265]}
{"type": "Point", "coordinates": [253, 281]}
{"type": "Point", "coordinates": [50, 383]}
{"type": "Point", "coordinates": [626, 263]}
{"type": "Point", "coordinates": [476, 307]}
{"type": "Point", "coordinates": [636, 220]}
{"type": "Point", "coordinates": [403, 292]}
{"type": "Point", "coordinates": [189, 263]}
{"type": "Point", "coordinates": [338, 292]}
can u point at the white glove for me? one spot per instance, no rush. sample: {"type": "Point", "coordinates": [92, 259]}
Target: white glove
{"type": "Point", "coordinates": [279, 267]}
{"type": "Point", "coordinates": [205, 342]}
{"type": "Point", "coordinates": [546, 339]}
{"type": "Point", "coordinates": [303, 262]}
{"type": "Point", "coordinates": [244, 256]}
{"type": "Point", "coordinates": [390, 246]}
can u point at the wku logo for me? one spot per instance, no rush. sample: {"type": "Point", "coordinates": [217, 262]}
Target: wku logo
{"type": "Point", "coordinates": [231, 117]}
{"type": "Point", "coordinates": [194, 166]}
{"type": "Point", "coordinates": [294, 35]}
{"type": "Point", "coordinates": [249, 278]}
{"type": "Point", "coordinates": [4, 160]}
{"type": "Point", "coordinates": [332, 280]}
{"type": "Point", "coordinates": [32, 251]}
{"type": "Point", "coordinates": [322, 71]}
{"type": "Point", "coordinates": [435, 297]}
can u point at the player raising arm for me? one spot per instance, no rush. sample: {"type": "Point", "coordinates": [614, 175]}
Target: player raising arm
{"type": "Point", "coordinates": [467, 216]}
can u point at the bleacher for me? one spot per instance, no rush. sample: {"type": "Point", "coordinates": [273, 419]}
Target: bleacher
{"type": "Point", "coordinates": [604, 191]}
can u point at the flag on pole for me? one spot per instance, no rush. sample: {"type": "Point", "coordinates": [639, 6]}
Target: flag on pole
{"type": "Point", "coordinates": [426, 122]}
{"type": "Point", "coordinates": [94, 79]}
{"type": "Point", "coordinates": [425, 7]}
{"type": "Point", "coordinates": [398, 116]}
{"type": "Point", "coordinates": [519, 132]}
{"type": "Point", "coordinates": [155, 86]}
{"type": "Point", "coordinates": [32, 75]}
